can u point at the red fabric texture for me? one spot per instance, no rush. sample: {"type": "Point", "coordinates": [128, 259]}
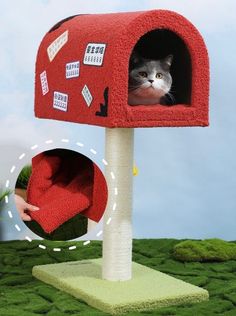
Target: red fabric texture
{"type": "Point", "coordinates": [120, 32]}
{"type": "Point", "coordinates": [64, 184]}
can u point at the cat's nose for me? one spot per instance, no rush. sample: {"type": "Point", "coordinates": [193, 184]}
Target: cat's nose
{"type": "Point", "coordinates": [151, 80]}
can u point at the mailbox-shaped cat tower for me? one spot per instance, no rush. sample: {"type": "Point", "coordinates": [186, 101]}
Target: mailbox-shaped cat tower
{"type": "Point", "coordinates": [82, 72]}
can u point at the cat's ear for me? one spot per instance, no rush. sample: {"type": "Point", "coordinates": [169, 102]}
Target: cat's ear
{"type": "Point", "coordinates": [167, 61]}
{"type": "Point", "coordinates": [135, 58]}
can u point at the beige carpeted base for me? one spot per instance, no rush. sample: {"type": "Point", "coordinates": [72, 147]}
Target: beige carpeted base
{"type": "Point", "coordinates": [147, 290]}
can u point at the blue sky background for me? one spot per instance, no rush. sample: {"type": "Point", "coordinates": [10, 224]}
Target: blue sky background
{"type": "Point", "coordinates": [186, 186]}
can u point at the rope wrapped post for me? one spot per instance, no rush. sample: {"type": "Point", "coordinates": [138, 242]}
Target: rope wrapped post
{"type": "Point", "coordinates": [117, 232]}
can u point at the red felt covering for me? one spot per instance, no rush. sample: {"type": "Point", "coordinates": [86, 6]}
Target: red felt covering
{"type": "Point", "coordinates": [120, 32]}
{"type": "Point", "coordinates": [62, 184]}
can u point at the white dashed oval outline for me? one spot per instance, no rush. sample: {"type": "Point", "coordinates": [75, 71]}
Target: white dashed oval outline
{"type": "Point", "coordinates": [7, 185]}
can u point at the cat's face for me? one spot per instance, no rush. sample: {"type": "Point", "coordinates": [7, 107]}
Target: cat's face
{"type": "Point", "coordinates": [150, 78]}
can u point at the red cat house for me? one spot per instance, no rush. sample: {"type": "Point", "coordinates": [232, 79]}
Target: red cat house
{"type": "Point", "coordinates": [82, 70]}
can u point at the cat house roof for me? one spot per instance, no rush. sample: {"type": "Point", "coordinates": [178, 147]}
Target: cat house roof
{"type": "Point", "coordinates": [82, 70]}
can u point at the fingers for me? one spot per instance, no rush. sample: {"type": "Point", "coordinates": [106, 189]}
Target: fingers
{"type": "Point", "coordinates": [23, 207]}
{"type": "Point", "coordinates": [25, 217]}
{"type": "Point", "coordinates": [23, 213]}
{"type": "Point", "coordinates": [31, 207]}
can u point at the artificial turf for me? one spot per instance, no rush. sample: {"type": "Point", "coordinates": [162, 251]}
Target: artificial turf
{"type": "Point", "coordinates": [22, 294]}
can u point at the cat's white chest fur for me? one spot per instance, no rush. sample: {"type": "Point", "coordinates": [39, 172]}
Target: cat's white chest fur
{"type": "Point", "coordinates": [145, 96]}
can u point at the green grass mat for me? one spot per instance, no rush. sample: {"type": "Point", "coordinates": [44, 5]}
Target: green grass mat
{"type": "Point", "coordinates": [147, 290]}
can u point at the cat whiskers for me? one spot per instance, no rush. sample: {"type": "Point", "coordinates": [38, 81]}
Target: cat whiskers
{"type": "Point", "coordinates": [133, 88]}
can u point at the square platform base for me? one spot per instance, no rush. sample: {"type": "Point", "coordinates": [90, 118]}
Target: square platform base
{"type": "Point", "coordinates": [148, 289]}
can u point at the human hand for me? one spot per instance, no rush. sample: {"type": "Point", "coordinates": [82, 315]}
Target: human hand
{"type": "Point", "coordinates": [22, 207]}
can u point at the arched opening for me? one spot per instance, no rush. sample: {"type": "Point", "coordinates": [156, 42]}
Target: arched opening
{"type": "Point", "coordinates": [158, 44]}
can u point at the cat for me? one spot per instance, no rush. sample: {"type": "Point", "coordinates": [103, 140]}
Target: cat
{"type": "Point", "coordinates": [150, 80]}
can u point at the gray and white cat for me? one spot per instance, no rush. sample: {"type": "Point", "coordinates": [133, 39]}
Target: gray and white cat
{"type": "Point", "coordinates": [149, 80]}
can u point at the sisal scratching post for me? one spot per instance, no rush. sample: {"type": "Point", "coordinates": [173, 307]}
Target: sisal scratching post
{"type": "Point", "coordinates": [117, 235]}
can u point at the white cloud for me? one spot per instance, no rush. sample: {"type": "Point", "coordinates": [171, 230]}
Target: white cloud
{"type": "Point", "coordinates": [20, 129]}
{"type": "Point", "coordinates": [27, 131]}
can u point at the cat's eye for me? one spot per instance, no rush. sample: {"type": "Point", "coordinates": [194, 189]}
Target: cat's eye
{"type": "Point", "coordinates": [143, 74]}
{"type": "Point", "coordinates": [159, 75]}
